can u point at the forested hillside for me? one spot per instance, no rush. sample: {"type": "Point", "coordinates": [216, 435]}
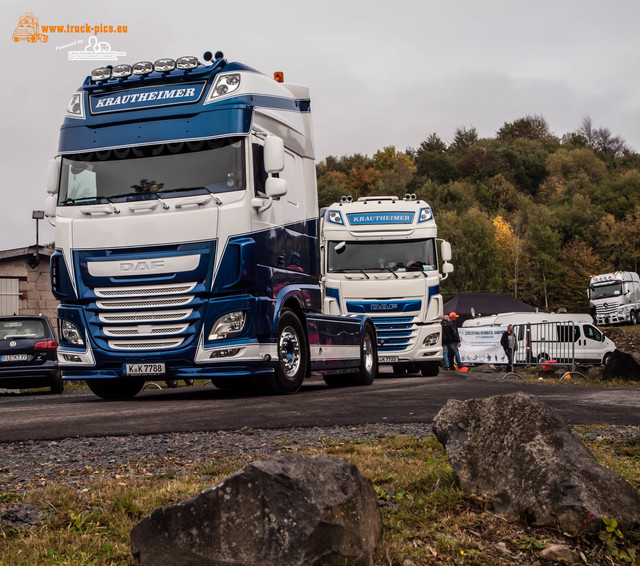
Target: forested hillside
{"type": "Point", "coordinates": [526, 212]}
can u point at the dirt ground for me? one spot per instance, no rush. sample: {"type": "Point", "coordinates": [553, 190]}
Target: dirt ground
{"type": "Point", "coordinates": [626, 338]}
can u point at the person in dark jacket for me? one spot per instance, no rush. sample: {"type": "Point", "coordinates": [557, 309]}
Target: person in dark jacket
{"type": "Point", "coordinates": [509, 345]}
{"type": "Point", "coordinates": [450, 343]}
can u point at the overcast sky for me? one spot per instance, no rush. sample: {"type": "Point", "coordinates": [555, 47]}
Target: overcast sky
{"type": "Point", "coordinates": [380, 72]}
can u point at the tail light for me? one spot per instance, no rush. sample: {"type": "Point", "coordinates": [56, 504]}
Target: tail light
{"type": "Point", "coordinates": [46, 345]}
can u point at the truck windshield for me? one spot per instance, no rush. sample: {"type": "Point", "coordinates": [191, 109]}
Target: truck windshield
{"type": "Point", "coordinates": [213, 166]}
{"type": "Point", "coordinates": [397, 256]}
{"type": "Point", "coordinates": [606, 291]}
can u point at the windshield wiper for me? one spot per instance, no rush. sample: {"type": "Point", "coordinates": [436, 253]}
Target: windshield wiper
{"type": "Point", "coordinates": [352, 270]}
{"type": "Point", "coordinates": [87, 199]}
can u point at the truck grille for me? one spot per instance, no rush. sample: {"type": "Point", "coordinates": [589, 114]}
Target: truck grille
{"type": "Point", "coordinates": [145, 317]}
{"type": "Point", "coordinates": [395, 334]}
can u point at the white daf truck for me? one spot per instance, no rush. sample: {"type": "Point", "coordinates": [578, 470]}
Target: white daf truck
{"type": "Point", "coordinates": [615, 297]}
{"type": "Point", "coordinates": [379, 258]}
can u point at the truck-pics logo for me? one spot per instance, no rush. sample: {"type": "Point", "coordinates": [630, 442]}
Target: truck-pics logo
{"type": "Point", "coordinates": [28, 29]}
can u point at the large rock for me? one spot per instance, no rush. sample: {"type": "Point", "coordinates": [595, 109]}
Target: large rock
{"type": "Point", "coordinates": [285, 511]}
{"type": "Point", "coordinates": [519, 453]}
{"type": "Point", "coordinates": [623, 366]}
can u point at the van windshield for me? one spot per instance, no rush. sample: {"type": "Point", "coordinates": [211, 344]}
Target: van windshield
{"type": "Point", "coordinates": [606, 291]}
{"type": "Point", "coordinates": [138, 173]}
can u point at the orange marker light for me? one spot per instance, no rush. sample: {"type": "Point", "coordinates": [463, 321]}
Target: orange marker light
{"type": "Point", "coordinates": [278, 76]}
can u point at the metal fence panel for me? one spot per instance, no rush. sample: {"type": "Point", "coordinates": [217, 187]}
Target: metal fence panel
{"type": "Point", "coordinates": [538, 343]}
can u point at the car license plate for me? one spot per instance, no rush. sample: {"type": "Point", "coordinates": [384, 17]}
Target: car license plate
{"type": "Point", "coordinates": [387, 359]}
{"type": "Point", "coordinates": [144, 369]}
{"type": "Point", "coordinates": [14, 358]}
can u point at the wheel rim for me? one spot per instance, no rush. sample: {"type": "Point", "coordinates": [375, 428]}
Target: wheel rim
{"type": "Point", "coordinates": [367, 350]}
{"type": "Point", "coordinates": [289, 352]}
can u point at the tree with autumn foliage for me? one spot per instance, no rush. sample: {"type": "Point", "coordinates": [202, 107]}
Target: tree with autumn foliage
{"type": "Point", "coordinates": [526, 211]}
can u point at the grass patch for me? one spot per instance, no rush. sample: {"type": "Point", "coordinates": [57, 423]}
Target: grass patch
{"type": "Point", "coordinates": [427, 519]}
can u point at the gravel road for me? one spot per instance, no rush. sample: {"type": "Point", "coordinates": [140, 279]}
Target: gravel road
{"type": "Point", "coordinates": [71, 460]}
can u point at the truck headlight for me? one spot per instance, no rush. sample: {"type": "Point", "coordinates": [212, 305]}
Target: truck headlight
{"type": "Point", "coordinates": [432, 339]}
{"type": "Point", "coordinates": [70, 333]}
{"type": "Point", "coordinates": [228, 325]}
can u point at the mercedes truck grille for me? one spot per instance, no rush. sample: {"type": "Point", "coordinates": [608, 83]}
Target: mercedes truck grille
{"type": "Point", "coordinates": [148, 317]}
{"type": "Point", "coordinates": [395, 334]}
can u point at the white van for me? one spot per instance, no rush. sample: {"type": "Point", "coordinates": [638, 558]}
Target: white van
{"type": "Point", "coordinates": [541, 336]}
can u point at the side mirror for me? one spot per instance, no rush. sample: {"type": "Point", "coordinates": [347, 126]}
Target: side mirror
{"type": "Point", "coordinates": [275, 187]}
{"type": "Point", "coordinates": [50, 204]}
{"type": "Point", "coordinates": [447, 268]}
{"type": "Point", "coordinates": [53, 176]}
{"type": "Point", "coordinates": [445, 251]}
{"type": "Point", "coordinates": [273, 154]}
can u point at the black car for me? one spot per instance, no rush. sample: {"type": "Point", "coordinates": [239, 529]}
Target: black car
{"type": "Point", "coordinates": [28, 354]}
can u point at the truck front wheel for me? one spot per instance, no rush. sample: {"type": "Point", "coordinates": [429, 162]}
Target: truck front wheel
{"type": "Point", "coordinates": [292, 355]}
{"type": "Point", "coordinates": [113, 389]}
{"type": "Point", "coordinates": [368, 358]}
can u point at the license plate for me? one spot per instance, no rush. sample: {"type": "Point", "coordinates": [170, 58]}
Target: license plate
{"type": "Point", "coordinates": [387, 359]}
{"type": "Point", "coordinates": [144, 369]}
{"type": "Point", "coordinates": [14, 358]}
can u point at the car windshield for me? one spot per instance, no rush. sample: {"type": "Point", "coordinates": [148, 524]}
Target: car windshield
{"type": "Point", "coordinates": [25, 328]}
{"type": "Point", "coordinates": [397, 256]}
{"type": "Point", "coordinates": [606, 291]}
{"type": "Point", "coordinates": [138, 173]}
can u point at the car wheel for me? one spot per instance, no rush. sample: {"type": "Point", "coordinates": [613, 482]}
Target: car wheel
{"type": "Point", "coordinates": [292, 355]}
{"type": "Point", "coordinates": [606, 358]}
{"type": "Point", "coordinates": [57, 385]}
{"type": "Point", "coordinates": [172, 383]}
{"type": "Point", "coordinates": [113, 389]}
{"type": "Point", "coordinates": [368, 358]}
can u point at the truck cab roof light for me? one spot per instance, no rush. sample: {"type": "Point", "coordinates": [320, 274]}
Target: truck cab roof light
{"type": "Point", "coordinates": [76, 105]}
{"type": "Point", "coordinates": [335, 217]}
{"type": "Point", "coordinates": [224, 84]}
{"type": "Point", "coordinates": [121, 71]}
{"type": "Point", "coordinates": [278, 76]}
{"type": "Point", "coordinates": [164, 65]}
{"type": "Point", "coordinates": [187, 63]}
{"type": "Point", "coordinates": [425, 214]}
{"type": "Point", "coordinates": [101, 74]}
{"type": "Point", "coordinates": [142, 68]}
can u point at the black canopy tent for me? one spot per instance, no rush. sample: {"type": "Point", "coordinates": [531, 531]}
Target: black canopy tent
{"type": "Point", "coordinates": [468, 305]}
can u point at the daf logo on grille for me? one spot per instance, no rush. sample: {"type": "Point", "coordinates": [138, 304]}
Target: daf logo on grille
{"type": "Point", "coordinates": [384, 307]}
{"type": "Point", "coordinates": [141, 266]}
{"type": "Point", "coordinates": [13, 344]}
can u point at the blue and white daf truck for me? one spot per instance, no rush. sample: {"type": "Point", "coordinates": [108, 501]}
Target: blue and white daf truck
{"type": "Point", "coordinates": [379, 259]}
{"type": "Point", "coordinates": [185, 203]}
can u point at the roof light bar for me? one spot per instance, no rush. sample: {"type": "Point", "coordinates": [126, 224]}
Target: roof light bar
{"type": "Point", "coordinates": [164, 65]}
{"type": "Point", "coordinates": [101, 74]}
{"type": "Point", "coordinates": [186, 63]}
{"type": "Point", "coordinates": [121, 71]}
{"type": "Point", "coordinates": [142, 68]}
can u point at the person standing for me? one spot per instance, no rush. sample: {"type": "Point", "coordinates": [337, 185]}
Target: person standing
{"type": "Point", "coordinates": [510, 345]}
{"type": "Point", "coordinates": [450, 343]}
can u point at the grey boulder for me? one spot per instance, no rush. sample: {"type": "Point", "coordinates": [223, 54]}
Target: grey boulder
{"type": "Point", "coordinates": [520, 454]}
{"type": "Point", "coordinates": [287, 511]}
